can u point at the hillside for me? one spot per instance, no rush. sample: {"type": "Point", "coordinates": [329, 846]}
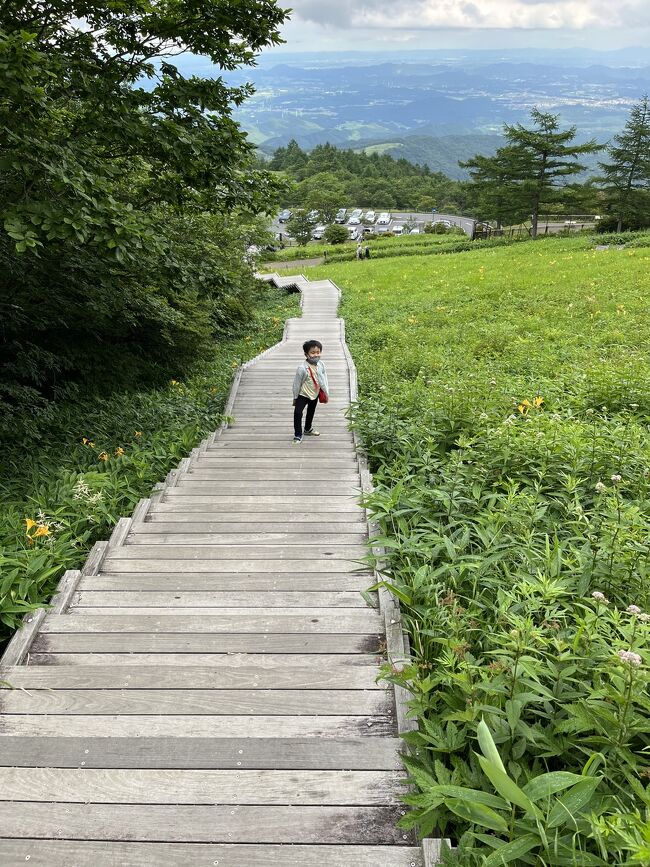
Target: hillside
{"type": "Point", "coordinates": [504, 405]}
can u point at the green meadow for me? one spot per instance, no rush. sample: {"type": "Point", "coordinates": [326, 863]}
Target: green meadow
{"type": "Point", "coordinates": [504, 406]}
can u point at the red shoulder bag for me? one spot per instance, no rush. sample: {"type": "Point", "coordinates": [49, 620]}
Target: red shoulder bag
{"type": "Point", "coordinates": [322, 395]}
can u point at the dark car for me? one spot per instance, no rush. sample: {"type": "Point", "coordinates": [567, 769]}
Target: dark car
{"type": "Point", "coordinates": [285, 215]}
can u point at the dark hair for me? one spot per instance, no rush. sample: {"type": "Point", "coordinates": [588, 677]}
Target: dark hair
{"type": "Point", "coordinates": [310, 344]}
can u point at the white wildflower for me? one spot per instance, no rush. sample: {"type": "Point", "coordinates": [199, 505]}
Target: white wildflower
{"type": "Point", "coordinates": [629, 656]}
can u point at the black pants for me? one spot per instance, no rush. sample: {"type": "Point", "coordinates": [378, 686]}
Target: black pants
{"type": "Point", "coordinates": [301, 403]}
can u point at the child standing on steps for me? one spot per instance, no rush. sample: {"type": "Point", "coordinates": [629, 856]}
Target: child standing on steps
{"type": "Point", "coordinates": [309, 380]}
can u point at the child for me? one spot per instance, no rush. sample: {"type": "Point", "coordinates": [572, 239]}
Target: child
{"type": "Point", "coordinates": [310, 378]}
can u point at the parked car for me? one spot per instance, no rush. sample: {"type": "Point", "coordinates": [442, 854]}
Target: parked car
{"type": "Point", "coordinates": [354, 221]}
{"type": "Point", "coordinates": [414, 232]}
{"type": "Point", "coordinates": [383, 219]}
{"type": "Point", "coordinates": [313, 216]}
{"type": "Point", "coordinates": [318, 232]}
{"type": "Point", "coordinates": [340, 216]}
{"type": "Point", "coordinates": [285, 215]}
{"type": "Point", "coordinates": [369, 218]}
{"type": "Point", "coordinates": [397, 230]}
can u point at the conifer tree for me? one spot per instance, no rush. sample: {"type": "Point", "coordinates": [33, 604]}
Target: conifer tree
{"type": "Point", "coordinates": [626, 177]}
{"type": "Point", "coordinates": [533, 164]}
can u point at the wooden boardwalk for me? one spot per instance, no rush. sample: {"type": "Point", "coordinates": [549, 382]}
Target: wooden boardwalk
{"type": "Point", "coordinates": [204, 692]}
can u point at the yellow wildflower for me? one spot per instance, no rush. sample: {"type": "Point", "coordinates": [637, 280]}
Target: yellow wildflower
{"type": "Point", "coordinates": [138, 433]}
{"type": "Point", "coordinates": [29, 524]}
{"type": "Point", "coordinates": [103, 456]}
{"type": "Point", "coordinates": [538, 401]}
{"type": "Point", "coordinates": [119, 451]}
{"type": "Point", "coordinates": [42, 530]}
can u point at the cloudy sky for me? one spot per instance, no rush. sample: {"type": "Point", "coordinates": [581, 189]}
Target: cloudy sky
{"type": "Point", "coordinates": [326, 25]}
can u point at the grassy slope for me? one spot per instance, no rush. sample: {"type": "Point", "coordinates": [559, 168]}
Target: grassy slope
{"type": "Point", "coordinates": [500, 519]}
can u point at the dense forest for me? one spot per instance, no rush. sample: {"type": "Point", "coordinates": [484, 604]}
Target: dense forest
{"type": "Point", "coordinates": [128, 194]}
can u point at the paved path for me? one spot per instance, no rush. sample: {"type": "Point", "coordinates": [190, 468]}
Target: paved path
{"type": "Point", "coordinates": [204, 692]}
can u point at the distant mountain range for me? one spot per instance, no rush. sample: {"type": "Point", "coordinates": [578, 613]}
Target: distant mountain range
{"type": "Point", "coordinates": [432, 107]}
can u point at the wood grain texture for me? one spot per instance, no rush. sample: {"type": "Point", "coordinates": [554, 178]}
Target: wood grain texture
{"type": "Point", "coordinates": [211, 702]}
{"type": "Point", "coordinates": [195, 726]}
{"type": "Point", "coordinates": [200, 824]}
{"type": "Point", "coordinates": [138, 786]}
{"type": "Point", "coordinates": [96, 853]}
{"type": "Point", "coordinates": [195, 753]}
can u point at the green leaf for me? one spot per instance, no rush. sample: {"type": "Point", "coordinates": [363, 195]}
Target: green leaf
{"type": "Point", "coordinates": [478, 814]}
{"type": "Point", "coordinates": [507, 788]}
{"type": "Point", "coordinates": [512, 851]}
{"type": "Point", "coordinates": [488, 747]}
{"type": "Point", "coordinates": [473, 795]}
{"type": "Point", "coordinates": [565, 808]}
{"type": "Point", "coordinates": [548, 784]}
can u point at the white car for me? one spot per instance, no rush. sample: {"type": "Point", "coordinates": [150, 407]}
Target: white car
{"type": "Point", "coordinates": [414, 232]}
{"type": "Point", "coordinates": [354, 221]}
{"type": "Point", "coordinates": [370, 217]}
{"type": "Point", "coordinates": [318, 232]}
{"type": "Point", "coordinates": [356, 213]}
{"type": "Point", "coordinates": [397, 230]}
{"type": "Point", "coordinates": [383, 219]}
{"type": "Point", "coordinates": [340, 216]}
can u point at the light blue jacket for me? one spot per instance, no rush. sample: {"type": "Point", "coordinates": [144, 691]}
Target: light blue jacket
{"type": "Point", "coordinates": [303, 372]}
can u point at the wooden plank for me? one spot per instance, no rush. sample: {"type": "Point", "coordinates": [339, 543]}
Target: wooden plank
{"type": "Point", "coordinates": [228, 581]}
{"type": "Point", "coordinates": [267, 474]}
{"type": "Point", "coordinates": [212, 702]}
{"type": "Point", "coordinates": [95, 559]}
{"type": "Point", "coordinates": [201, 823]}
{"type": "Point", "coordinates": [298, 521]}
{"type": "Point", "coordinates": [201, 726]}
{"type": "Point", "coordinates": [236, 524]}
{"type": "Point", "coordinates": [195, 753]}
{"type": "Point", "coordinates": [188, 610]}
{"type": "Point", "coordinates": [194, 536]}
{"type": "Point", "coordinates": [67, 586]}
{"type": "Point", "coordinates": [217, 661]}
{"type": "Point", "coordinates": [234, 672]}
{"type": "Point", "coordinates": [143, 786]}
{"type": "Point", "coordinates": [239, 552]}
{"type": "Point", "coordinates": [294, 567]}
{"type": "Point", "coordinates": [300, 460]}
{"type": "Point", "coordinates": [227, 599]}
{"type": "Point", "coordinates": [120, 532]}
{"type": "Point", "coordinates": [360, 623]}
{"type": "Point", "coordinates": [111, 637]}
{"type": "Point", "coordinates": [64, 853]}
{"type": "Point", "coordinates": [22, 639]}
{"type": "Point", "coordinates": [187, 487]}
{"type": "Point", "coordinates": [263, 503]}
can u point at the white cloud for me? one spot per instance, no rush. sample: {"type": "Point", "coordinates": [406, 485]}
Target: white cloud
{"type": "Point", "coordinates": [422, 15]}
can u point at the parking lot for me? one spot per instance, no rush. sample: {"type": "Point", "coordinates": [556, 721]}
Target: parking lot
{"type": "Point", "coordinates": [360, 222]}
